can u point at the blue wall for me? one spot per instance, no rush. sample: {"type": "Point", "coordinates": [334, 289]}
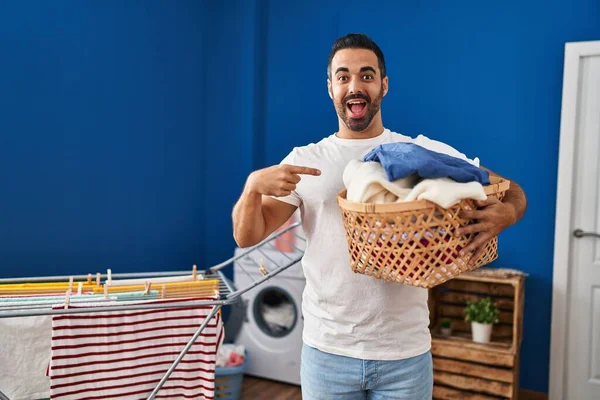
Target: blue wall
{"type": "Point", "coordinates": [234, 93]}
{"type": "Point", "coordinates": [101, 145]}
{"type": "Point", "coordinates": [127, 129]}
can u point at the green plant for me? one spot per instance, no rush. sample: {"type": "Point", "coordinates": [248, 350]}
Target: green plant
{"type": "Point", "coordinates": [483, 311]}
{"type": "Point", "coordinates": [446, 323]}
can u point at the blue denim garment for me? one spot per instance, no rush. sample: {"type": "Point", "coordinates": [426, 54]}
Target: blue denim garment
{"type": "Point", "coordinates": [327, 376]}
{"type": "Point", "coordinates": [403, 159]}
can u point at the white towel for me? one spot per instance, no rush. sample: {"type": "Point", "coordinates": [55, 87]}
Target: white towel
{"type": "Point", "coordinates": [446, 192]}
{"type": "Point", "coordinates": [367, 182]}
{"type": "Point", "coordinates": [24, 356]}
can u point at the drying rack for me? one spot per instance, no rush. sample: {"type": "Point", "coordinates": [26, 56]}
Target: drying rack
{"type": "Point", "coordinates": [228, 294]}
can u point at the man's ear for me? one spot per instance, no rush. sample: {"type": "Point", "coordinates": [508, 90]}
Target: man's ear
{"type": "Point", "coordinates": [385, 85]}
{"type": "Point", "coordinates": [329, 89]}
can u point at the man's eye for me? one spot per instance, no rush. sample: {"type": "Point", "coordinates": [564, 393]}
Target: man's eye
{"type": "Point", "coordinates": [342, 78]}
{"type": "Point", "coordinates": [368, 77]}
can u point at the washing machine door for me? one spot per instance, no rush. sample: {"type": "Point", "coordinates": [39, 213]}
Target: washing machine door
{"type": "Point", "coordinates": [275, 311]}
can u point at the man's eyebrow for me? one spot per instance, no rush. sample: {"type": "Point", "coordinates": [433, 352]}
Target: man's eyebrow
{"type": "Point", "coordinates": [363, 69]}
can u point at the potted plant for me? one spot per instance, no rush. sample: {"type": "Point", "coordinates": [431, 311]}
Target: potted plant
{"type": "Point", "coordinates": [446, 327]}
{"type": "Point", "coordinates": [482, 314]}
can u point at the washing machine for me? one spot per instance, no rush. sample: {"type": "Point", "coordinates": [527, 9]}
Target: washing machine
{"type": "Point", "coordinates": [272, 324]}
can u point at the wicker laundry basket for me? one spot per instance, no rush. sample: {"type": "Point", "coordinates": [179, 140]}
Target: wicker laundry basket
{"type": "Point", "coordinates": [413, 242]}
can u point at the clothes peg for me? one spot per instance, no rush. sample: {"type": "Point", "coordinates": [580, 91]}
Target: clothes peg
{"type": "Point", "coordinates": [67, 298]}
{"type": "Point", "coordinates": [108, 276]}
{"type": "Point", "coordinates": [194, 273]}
{"type": "Point", "coordinates": [262, 268]}
{"type": "Point", "coordinates": [164, 289]}
{"type": "Point", "coordinates": [98, 279]}
{"type": "Point", "coordinates": [79, 287]}
{"type": "Point", "coordinates": [71, 283]}
{"type": "Point", "coordinates": [105, 291]}
{"type": "Point", "coordinates": [89, 281]}
{"type": "Point", "coordinates": [147, 289]}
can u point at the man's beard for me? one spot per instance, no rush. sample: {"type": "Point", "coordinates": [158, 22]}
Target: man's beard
{"type": "Point", "coordinates": [359, 124]}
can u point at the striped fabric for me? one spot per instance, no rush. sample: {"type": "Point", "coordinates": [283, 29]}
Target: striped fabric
{"type": "Point", "coordinates": [124, 354]}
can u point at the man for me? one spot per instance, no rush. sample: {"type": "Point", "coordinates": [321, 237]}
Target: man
{"type": "Point", "coordinates": [363, 337]}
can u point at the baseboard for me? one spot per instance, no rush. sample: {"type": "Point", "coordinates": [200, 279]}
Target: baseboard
{"type": "Point", "coordinates": [531, 395]}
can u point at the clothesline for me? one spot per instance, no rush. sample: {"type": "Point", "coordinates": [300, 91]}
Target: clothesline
{"type": "Point", "coordinates": [206, 281]}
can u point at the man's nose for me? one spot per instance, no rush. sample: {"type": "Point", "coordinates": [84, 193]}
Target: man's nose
{"type": "Point", "coordinates": [355, 87]}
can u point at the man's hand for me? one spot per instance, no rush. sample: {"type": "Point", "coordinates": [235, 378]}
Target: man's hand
{"type": "Point", "coordinates": [278, 180]}
{"type": "Point", "coordinates": [490, 220]}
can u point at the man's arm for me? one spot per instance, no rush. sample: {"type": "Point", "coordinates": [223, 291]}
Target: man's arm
{"type": "Point", "coordinates": [493, 217]}
{"type": "Point", "coordinates": [256, 214]}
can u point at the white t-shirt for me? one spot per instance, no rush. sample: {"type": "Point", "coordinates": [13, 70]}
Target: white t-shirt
{"type": "Point", "coordinates": [347, 313]}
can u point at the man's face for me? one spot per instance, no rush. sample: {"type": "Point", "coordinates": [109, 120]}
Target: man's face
{"type": "Point", "coordinates": [356, 87]}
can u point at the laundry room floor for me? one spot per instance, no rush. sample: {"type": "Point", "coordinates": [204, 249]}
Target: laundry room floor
{"type": "Point", "coordinates": [261, 389]}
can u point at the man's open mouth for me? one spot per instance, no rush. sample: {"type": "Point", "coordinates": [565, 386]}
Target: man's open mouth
{"type": "Point", "coordinates": [357, 107]}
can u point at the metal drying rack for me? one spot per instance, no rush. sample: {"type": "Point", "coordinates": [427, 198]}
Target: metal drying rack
{"type": "Point", "coordinates": [228, 294]}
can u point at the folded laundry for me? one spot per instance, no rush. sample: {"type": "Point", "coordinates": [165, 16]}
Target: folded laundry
{"type": "Point", "coordinates": [404, 159]}
{"type": "Point", "coordinates": [366, 182]}
{"type": "Point", "coordinates": [446, 192]}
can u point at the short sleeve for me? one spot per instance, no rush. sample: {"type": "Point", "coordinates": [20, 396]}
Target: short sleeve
{"type": "Point", "coordinates": [444, 148]}
{"type": "Point", "coordinates": [293, 198]}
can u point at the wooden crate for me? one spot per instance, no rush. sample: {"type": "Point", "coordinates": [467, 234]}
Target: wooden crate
{"type": "Point", "coordinates": [467, 370]}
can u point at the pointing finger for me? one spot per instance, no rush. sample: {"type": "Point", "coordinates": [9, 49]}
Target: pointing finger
{"type": "Point", "coordinates": [295, 169]}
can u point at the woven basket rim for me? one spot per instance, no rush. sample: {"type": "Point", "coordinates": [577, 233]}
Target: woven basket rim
{"type": "Point", "coordinates": [497, 185]}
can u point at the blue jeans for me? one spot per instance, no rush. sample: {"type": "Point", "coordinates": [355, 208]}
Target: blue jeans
{"type": "Point", "coordinates": [327, 376]}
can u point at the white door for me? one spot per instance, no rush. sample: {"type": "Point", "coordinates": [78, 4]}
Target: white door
{"type": "Point", "coordinates": [581, 373]}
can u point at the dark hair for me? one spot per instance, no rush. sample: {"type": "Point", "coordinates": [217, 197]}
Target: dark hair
{"type": "Point", "coordinates": [356, 41]}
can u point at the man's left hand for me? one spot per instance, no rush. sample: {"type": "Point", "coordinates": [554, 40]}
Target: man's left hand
{"type": "Point", "coordinates": [491, 218]}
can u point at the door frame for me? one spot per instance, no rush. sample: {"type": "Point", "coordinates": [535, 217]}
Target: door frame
{"type": "Point", "coordinates": [574, 52]}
